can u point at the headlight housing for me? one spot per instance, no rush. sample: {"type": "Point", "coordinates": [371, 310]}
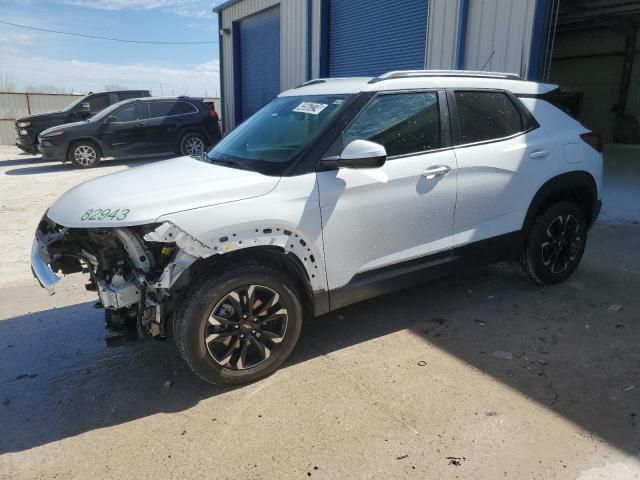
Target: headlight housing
{"type": "Point", "coordinates": [57, 133]}
{"type": "Point", "coordinates": [24, 124]}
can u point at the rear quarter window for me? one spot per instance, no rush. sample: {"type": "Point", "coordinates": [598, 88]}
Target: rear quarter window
{"type": "Point", "coordinates": [486, 116]}
{"type": "Point", "coordinates": [166, 109]}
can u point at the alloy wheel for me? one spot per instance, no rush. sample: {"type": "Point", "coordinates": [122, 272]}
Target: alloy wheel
{"type": "Point", "coordinates": [562, 243]}
{"type": "Point", "coordinates": [194, 146]}
{"type": "Point", "coordinates": [85, 155]}
{"type": "Point", "coordinates": [246, 327]}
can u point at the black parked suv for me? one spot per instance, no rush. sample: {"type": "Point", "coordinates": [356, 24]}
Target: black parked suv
{"type": "Point", "coordinates": [28, 128]}
{"type": "Point", "coordinates": [183, 125]}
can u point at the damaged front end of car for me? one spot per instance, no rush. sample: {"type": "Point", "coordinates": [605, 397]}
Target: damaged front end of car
{"type": "Point", "coordinates": [135, 270]}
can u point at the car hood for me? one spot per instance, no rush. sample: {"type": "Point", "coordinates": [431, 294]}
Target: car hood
{"type": "Point", "coordinates": [64, 126]}
{"type": "Point", "coordinates": [42, 117]}
{"type": "Point", "coordinates": [141, 195]}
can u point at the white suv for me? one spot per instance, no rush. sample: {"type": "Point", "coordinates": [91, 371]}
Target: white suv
{"type": "Point", "coordinates": [336, 191]}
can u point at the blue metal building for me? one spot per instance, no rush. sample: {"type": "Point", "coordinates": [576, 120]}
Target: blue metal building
{"type": "Point", "coordinates": [267, 46]}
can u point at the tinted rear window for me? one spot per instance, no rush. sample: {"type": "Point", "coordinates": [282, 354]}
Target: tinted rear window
{"type": "Point", "coordinates": [486, 116]}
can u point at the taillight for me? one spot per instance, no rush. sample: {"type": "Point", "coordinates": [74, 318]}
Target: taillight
{"type": "Point", "coordinates": [213, 114]}
{"type": "Point", "coordinates": [593, 140]}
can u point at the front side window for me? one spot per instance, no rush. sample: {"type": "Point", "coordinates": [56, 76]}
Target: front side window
{"type": "Point", "coordinates": [128, 95]}
{"type": "Point", "coordinates": [99, 102]}
{"type": "Point", "coordinates": [280, 130]}
{"type": "Point", "coordinates": [404, 123]}
{"type": "Point", "coordinates": [486, 116]}
{"type": "Point", "coordinates": [131, 113]}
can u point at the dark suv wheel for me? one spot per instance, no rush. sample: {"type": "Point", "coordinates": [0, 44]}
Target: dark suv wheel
{"type": "Point", "coordinates": [555, 244]}
{"type": "Point", "coordinates": [193, 144]}
{"type": "Point", "coordinates": [84, 154]}
{"type": "Point", "coordinates": [239, 325]}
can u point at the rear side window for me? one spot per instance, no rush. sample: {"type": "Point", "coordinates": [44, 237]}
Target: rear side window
{"type": "Point", "coordinates": [486, 116]}
{"type": "Point", "coordinates": [166, 109]}
{"type": "Point", "coordinates": [404, 123]}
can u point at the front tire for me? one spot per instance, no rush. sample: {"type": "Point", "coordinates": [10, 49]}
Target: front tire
{"type": "Point", "coordinates": [555, 244]}
{"type": "Point", "coordinates": [239, 325]}
{"type": "Point", "coordinates": [84, 154]}
{"type": "Point", "coordinates": [193, 144]}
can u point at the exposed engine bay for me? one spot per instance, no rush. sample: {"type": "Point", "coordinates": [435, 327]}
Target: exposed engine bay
{"type": "Point", "coordinates": [133, 270]}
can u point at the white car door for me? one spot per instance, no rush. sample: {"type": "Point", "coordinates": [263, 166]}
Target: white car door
{"type": "Point", "coordinates": [502, 161]}
{"type": "Point", "coordinates": [378, 220]}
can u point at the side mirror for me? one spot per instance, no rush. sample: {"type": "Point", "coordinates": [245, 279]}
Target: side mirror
{"type": "Point", "coordinates": [360, 154]}
{"type": "Point", "coordinates": [85, 109]}
{"type": "Point", "coordinates": [111, 119]}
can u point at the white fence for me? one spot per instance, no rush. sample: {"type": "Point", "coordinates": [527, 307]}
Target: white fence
{"type": "Point", "coordinates": [16, 105]}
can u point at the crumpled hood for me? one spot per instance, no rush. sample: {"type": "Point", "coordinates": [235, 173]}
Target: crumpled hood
{"type": "Point", "coordinates": [142, 194]}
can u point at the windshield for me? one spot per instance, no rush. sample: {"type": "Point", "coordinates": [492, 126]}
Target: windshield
{"type": "Point", "coordinates": [73, 104]}
{"type": "Point", "coordinates": [278, 132]}
{"type": "Point", "coordinates": [107, 111]}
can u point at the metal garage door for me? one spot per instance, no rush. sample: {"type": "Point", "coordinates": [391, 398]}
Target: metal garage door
{"type": "Point", "coordinates": [370, 37]}
{"type": "Point", "coordinates": [259, 65]}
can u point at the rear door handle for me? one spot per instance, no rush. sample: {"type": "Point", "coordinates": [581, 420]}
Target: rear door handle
{"type": "Point", "coordinates": [140, 124]}
{"type": "Point", "coordinates": [539, 154]}
{"type": "Point", "coordinates": [433, 172]}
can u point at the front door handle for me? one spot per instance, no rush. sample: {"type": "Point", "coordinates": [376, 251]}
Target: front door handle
{"type": "Point", "coordinates": [539, 154]}
{"type": "Point", "coordinates": [433, 172]}
{"type": "Point", "coordinates": [140, 124]}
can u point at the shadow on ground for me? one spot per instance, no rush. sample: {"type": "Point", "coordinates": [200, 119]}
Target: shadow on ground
{"type": "Point", "coordinates": [35, 165]}
{"type": "Point", "coordinates": [564, 347]}
{"type": "Point", "coordinates": [30, 160]}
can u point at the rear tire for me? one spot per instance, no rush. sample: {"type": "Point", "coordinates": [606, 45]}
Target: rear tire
{"type": "Point", "coordinates": [193, 144]}
{"type": "Point", "coordinates": [84, 154]}
{"type": "Point", "coordinates": [555, 244]}
{"type": "Point", "coordinates": [238, 325]}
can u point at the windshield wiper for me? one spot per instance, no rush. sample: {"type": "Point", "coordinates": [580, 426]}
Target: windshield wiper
{"type": "Point", "coordinates": [232, 163]}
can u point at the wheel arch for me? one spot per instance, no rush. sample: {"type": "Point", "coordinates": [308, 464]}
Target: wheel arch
{"type": "Point", "coordinates": [191, 129]}
{"type": "Point", "coordinates": [273, 256]}
{"type": "Point", "coordinates": [579, 187]}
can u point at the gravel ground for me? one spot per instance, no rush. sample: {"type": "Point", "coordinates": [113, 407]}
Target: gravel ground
{"type": "Point", "coordinates": [481, 376]}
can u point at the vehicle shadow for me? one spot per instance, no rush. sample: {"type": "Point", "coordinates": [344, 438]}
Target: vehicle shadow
{"type": "Point", "coordinates": [21, 161]}
{"type": "Point", "coordinates": [562, 347]}
{"type": "Point", "coordinates": [61, 167]}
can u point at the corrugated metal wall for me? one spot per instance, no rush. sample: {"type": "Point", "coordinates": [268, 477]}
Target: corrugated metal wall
{"type": "Point", "coordinates": [293, 41]}
{"type": "Point", "coordinates": [502, 25]}
{"type": "Point", "coordinates": [441, 41]}
{"type": "Point", "coordinates": [15, 105]}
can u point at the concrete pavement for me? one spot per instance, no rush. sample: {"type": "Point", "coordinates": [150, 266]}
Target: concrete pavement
{"type": "Point", "coordinates": [479, 376]}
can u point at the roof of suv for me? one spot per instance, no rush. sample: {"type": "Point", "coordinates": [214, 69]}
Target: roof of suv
{"type": "Point", "coordinates": [413, 79]}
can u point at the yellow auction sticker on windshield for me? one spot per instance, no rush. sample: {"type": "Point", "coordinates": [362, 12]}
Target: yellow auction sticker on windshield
{"type": "Point", "coordinates": [310, 107]}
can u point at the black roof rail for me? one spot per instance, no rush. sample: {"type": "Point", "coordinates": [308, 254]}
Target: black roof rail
{"type": "Point", "coordinates": [444, 73]}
